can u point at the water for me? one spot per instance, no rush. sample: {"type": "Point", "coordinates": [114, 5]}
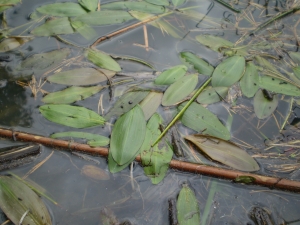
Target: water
{"type": "Point", "coordinates": [80, 198]}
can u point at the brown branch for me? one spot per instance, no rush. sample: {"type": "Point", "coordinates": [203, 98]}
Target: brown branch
{"type": "Point", "coordinates": [272, 182]}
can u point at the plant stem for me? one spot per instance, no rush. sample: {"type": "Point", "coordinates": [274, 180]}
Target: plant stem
{"type": "Point", "coordinates": [288, 115]}
{"type": "Point", "coordinates": [182, 111]}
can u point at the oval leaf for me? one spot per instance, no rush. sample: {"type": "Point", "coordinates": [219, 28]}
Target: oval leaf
{"type": "Point", "coordinates": [212, 95]}
{"type": "Point", "coordinates": [202, 120]}
{"type": "Point", "coordinates": [72, 116]}
{"type": "Point", "coordinates": [90, 5]}
{"type": "Point", "coordinates": [102, 60]}
{"type": "Point", "coordinates": [249, 82]}
{"type": "Point", "coordinates": [128, 135]}
{"type": "Point", "coordinates": [199, 64]}
{"type": "Point", "coordinates": [171, 75]}
{"type": "Point", "coordinates": [158, 2]}
{"type": "Point", "coordinates": [151, 103]}
{"type": "Point", "coordinates": [54, 27]}
{"type": "Point", "coordinates": [213, 42]}
{"type": "Point", "coordinates": [16, 198]}
{"type": "Point", "coordinates": [65, 9]}
{"type": "Point", "coordinates": [179, 90]}
{"type": "Point", "coordinates": [264, 107]}
{"type": "Point", "coordinates": [224, 152]}
{"type": "Point", "coordinates": [228, 72]}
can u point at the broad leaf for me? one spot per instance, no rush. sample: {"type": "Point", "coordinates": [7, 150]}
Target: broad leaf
{"type": "Point", "coordinates": [99, 18]}
{"type": "Point", "coordinates": [151, 103]}
{"type": "Point", "coordinates": [114, 167]}
{"type": "Point", "coordinates": [224, 152]}
{"type": "Point", "coordinates": [228, 72]}
{"type": "Point", "coordinates": [9, 44]}
{"type": "Point", "coordinates": [249, 82]}
{"type": "Point", "coordinates": [138, 6]}
{"type": "Point", "coordinates": [102, 60]}
{"type": "Point", "coordinates": [180, 90]}
{"type": "Point", "coordinates": [263, 107]}
{"type": "Point", "coordinates": [71, 94]}
{"type": "Point", "coordinates": [72, 116]}
{"type": "Point", "coordinates": [202, 120]}
{"type": "Point", "coordinates": [171, 75]}
{"type": "Point", "coordinates": [278, 86]}
{"type": "Point", "coordinates": [65, 9]}
{"type": "Point", "coordinates": [93, 139]}
{"type": "Point", "coordinates": [178, 2]}
{"type": "Point", "coordinates": [81, 76]}
{"type": "Point", "coordinates": [54, 27]}
{"type": "Point", "coordinates": [90, 5]}
{"type": "Point", "coordinates": [158, 2]}
{"type": "Point", "coordinates": [7, 4]}
{"type": "Point", "coordinates": [85, 30]}
{"type": "Point", "coordinates": [198, 64]}
{"type": "Point", "coordinates": [16, 198]}
{"type": "Point", "coordinates": [265, 64]}
{"type": "Point", "coordinates": [128, 135]}
{"type": "Point", "coordinates": [126, 102]}
{"type": "Point", "coordinates": [212, 95]}
{"type": "Point", "coordinates": [187, 207]}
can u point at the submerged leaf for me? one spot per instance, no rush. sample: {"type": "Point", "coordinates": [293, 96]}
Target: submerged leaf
{"type": "Point", "coordinates": [264, 107]}
{"type": "Point", "coordinates": [16, 198]}
{"type": "Point", "coordinates": [72, 116]}
{"type": "Point", "coordinates": [85, 30]}
{"type": "Point", "coordinates": [71, 94]}
{"type": "Point", "coordinates": [228, 72]}
{"type": "Point", "coordinates": [224, 152]}
{"type": "Point", "coordinates": [54, 27]}
{"type": "Point", "coordinates": [202, 120]}
{"type": "Point", "coordinates": [7, 4]}
{"type": "Point", "coordinates": [249, 82]}
{"type": "Point", "coordinates": [171, 75]}
{"type": "Point", "coordinates": [90, 5]}
{"type": "Point", "coordinates": [151, 103]}
{"type": "Point", "coordinates": [212, 95]}
{"type": "Point", "coordinates": [94, 172]}
{"type": "Point", "coordinates": [81, 76]}
{"type": "Point", "coordinates": [65, 9]}
{"type": "Point", "coordinates": [199, 64]}
{"type": "Point", "coordinates": [187, 207]}
{"type": "Point", "coordinates": [102, 60]}
{"type": "Point", "coordinates": [128, 135]}
{"type": "Point", "coordinates": [9, 44]}
{"type": "Point", "coordinates": [179, 90]}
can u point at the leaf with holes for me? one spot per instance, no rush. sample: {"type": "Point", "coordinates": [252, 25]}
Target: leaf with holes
{"type": "Point", "coordinates": [264, 107]}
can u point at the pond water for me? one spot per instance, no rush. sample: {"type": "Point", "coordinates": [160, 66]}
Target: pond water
{"type": "Point", "coordinates": [129, 194]}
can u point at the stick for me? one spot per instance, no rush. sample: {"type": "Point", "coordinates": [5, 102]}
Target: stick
{"type": "Point", "coordinates": [272, 182]}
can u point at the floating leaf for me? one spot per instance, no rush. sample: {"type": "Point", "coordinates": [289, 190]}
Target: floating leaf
{"type": "Point", "coordinates": [278, 86]}
{"type": "Point", "coordinates": [126, 102]}
{"type": "Point", "coordinates": [16, 198]}
{"type": "Point", "coordinates": [71, 94]}
{"type": "Point", "coordinates": [85, 30]}
{"type": "Point", "coordinates": [9, 44]}
{"type": "Point", "coordinates": [133, 59]}
{"type": "Point", "coordinates": [128, 135]}
{"type": "Point", "coordinates": [187, 207]}
{"type": "Point", "coordinates": [81, 76]}
{"type": "Point", "coordinates": [171, 75]}
{"type": "Point", "coordinates": [178, 2]}
{"type": "Point", "coordinates": [65, 9]}
{"type": "Point", "coordinates": [202, 120]}
{"type": "Point", "coordinates": [249, 82]}
{"type": "Point", "coordinates": [72, 116]}
{"type": "Point", "coordinates": [90, 5]}
{"type": "Point", "coordinates": [99, 18]}
{"type": "Point", "coordinates": [114, 167]}
{"type": "Point", "coordinates": [54, 27]}
{"type": "Point", "coordinates": [199, 64]}
{"type": "Point", "coordinates": [151, 103]}
{"type": "Point", "coordinates": [7, 4]}
{"type": "Point", "coordinates": [224, 152]}
{"type": "Point", "coordinates": [93, 138]}
{"type": "Point", "coordinates": [228, 72]}
{"type": "Point", "coordinates": [212, 94]}
{"type": "Point", "coordinates": [264, 107]}
{"type": "Point", "coordinates": [179, 90]}
{"type": "Point", "coordinates": [102, 60]}
{"type": "Point", "coordinates": [94, 172]}
{"type": "Point", "coordinates": [158, 2]}
{"type": "Point", "coordinates": [138, 6]}
{"type": "Point", "coordinates": [265, 64]}
{"type": "Point", "coordinates": [295, 57]}
{"type": "Point", "coordinates": [296, 71]}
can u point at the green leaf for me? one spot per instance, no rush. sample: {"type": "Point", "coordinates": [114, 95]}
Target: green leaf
{"type": "Point", "coordinates": [128, 135]}
{"type": "Point", "coordinates": [114, 167]}
{"type": "Point", "coordinates": [71, 94]}
{"type": "Point", "coordinates": [180, 90]}
{"type": "Point", "coordinates": [9, 44]}
{"type": "Point", "coordinates": [171, 75]}
{"type": "Point", "coordinates": [264, 107]}
{"type": "Point", "coordinates": [94, 139]}
{"type": "Point", "coordinates": [212, 95]}
{"type": "Point", "coordinates": [90, 5]}
{"type": "Point", "coordinates": [7, 2]}
{"type": "Point", "coordinates": [102, 60]}
{"type": "Point", "coordinates": [202, 120]}
{"type": "Point", "coordinates": [224, 152]}
{"type": "Point", "coordinates": [65, 9]}
{"type": "Point", "coordinates": [151, 103]}
{"type": "Point", "coordinates": [138, 6]}
{"type": "Point", "coordinates": [187, 207]}
{"type": "Point", "coordinates": [85, 30]}
{"type": "Point", "coordinates": [177, 2]}
{"type": "Point", "coordinates": [228, 72]}
{"type": "Point", "coordinates": [81, 76]}
{"type": "Point", "coordinates": [72, 116]}
{"type": "Point", "coordinates": [199, 64]}
{"type": "Point", "coordinates": [296, 71]}
{"type": "Point", "coordinates": [295, 57]}
{"type": "Point", "coordinates": [99, 18]}
{"type": "Point", "coordinates": [16, 199]}
{"type": "Point", "coordinates": [54, 27]}
{"type": "Point", "coordinates": [159, 2]}
{"type": "Point", "coordinates": [278, 86]}
{"type": "Point", "coordinates": [265, 64]}
{"type": "Point", "coordinates": [126, 102]}
{"type": "Point", "coordinates": [249, 82]}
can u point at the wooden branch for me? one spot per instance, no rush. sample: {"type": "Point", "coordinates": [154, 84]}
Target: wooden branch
{"type": "Point", "coordinates": [271, 182]}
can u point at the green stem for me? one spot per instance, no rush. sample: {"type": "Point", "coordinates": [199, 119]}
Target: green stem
{"type": "Point", "coordinates": [288, 115]}
{"type": "Point", "coordinates": [182, 111]}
